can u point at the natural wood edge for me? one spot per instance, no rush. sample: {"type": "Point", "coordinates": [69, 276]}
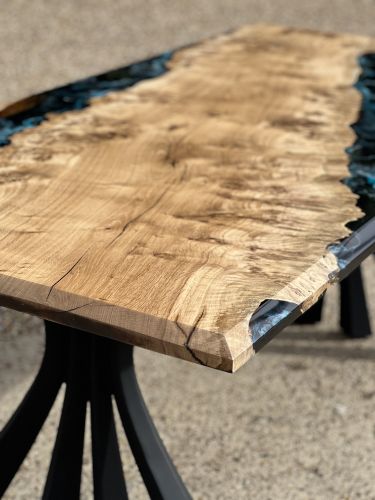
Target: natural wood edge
{"type": "Point", "coordinates": [304, 291]}
{"type": "Point", "coordinates": [306, 288]}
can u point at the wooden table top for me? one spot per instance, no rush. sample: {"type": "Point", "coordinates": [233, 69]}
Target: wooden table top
{"type": "Point", "coordinates": [166, 213]}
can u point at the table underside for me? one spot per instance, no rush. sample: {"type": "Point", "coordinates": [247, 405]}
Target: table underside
{"type": "Point", "coordinates": [195, 213]}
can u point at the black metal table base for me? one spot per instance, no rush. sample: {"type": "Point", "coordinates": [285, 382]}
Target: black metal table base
{"type": "Point", "coordinates": [354, 317]}
{"type": "Point", "coordinates": [94, 369]}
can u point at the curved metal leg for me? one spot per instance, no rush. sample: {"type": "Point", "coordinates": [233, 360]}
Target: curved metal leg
{"type": "Point", "coordinates": [20, 432]}
{"type": "Point", "coordinates": [159, 474]}
{"type": "Point", "coordinates": [64, 475]}
{"type": "Point", "coordinates": [94, 368]}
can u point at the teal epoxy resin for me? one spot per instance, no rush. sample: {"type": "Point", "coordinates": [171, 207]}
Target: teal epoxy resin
{"type": "Point", "coordinates": [362, 153]}
{"type": "Point", "coordinates": [77, 95]}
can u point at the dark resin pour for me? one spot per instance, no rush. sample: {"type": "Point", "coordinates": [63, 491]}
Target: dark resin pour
{"type": "Point", "coordinates": [362, 152]}
{"type": "Point", "coordinates": [77, 95]}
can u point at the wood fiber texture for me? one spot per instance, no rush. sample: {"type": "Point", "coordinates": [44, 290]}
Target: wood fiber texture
{"type": "Point", "coordinates": [165, 214]}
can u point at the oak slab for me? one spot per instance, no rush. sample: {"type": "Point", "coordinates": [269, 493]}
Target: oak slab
{"type": "Point", "coordinates": [163, 215]}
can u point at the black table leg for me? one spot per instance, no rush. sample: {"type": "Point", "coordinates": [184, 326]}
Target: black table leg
{"type": "Point", "coordinates": [20, 432]}
{"type": "Point", "coordinates": [159, 474]}
{"type": "Point", "coordinates": [312, 315]}
{"type": "Point", "coordinates": [64, 475]}
{"type": "Point", "coordinates": [107, 468]}
{"type": "Point", "coordinates": [94, 369]}
{"type": "Point", "coordinates": [354, 318]}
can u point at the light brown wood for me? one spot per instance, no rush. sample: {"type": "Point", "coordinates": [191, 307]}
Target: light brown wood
{"type": "Point", "coordinates": [163, 215]}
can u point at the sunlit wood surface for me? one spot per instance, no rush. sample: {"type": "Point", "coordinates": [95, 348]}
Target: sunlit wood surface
{"type": "Point", "coordinates": [165, 214]}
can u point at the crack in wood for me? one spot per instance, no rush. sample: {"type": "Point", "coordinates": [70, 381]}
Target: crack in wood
{"type": "Point", "coordinates": [79, 307]}
{"type": "Point", "coordinates": [137, 217]}
{"type": "Point", "coordinates": [188, 336]}
{"type": "Point", "coordinates": [65, 274]}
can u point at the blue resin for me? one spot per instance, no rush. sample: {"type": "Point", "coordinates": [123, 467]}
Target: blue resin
{"type": "Point", "coordinates": [354, 247]}
{"type": "Point", "coordinates": [268, 316]}
{"type": "Point", "coordinates": [77, 95]}
{"type": "Point", "coordinates": [362, 153]}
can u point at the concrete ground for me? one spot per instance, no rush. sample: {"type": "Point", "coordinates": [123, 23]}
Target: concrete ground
{"type": "Point", "coordinates": [298, 421]}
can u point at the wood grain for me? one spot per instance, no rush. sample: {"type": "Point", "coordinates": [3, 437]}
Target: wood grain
{"type": "Point", "coordinates": [164, 214]}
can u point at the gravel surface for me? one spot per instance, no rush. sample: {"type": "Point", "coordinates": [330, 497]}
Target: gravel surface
{"type": "Point", "coordinates": [298, 421]}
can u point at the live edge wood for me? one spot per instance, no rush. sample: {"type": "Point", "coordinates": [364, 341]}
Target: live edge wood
{"type": "Point", "coordinates": [165, 214]}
